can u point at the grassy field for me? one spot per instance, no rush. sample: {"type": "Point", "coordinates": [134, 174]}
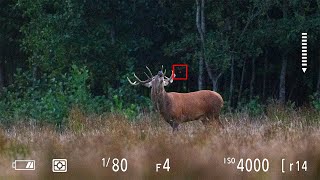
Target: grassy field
{"type": "Point", "coordinates": [195, 152]}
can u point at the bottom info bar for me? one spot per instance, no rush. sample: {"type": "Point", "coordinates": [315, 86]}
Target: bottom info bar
{"type": "Point", "coordinates": [24, 165]}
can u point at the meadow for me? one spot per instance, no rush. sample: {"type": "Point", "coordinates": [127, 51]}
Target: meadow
{"type": "Point", "coordinates": [195, 152]}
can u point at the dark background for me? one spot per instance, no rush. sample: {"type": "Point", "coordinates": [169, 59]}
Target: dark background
{"type": "Point", "coordinates": [55, 54]}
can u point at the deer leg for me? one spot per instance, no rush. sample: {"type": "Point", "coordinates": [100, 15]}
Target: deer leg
{"type": "Point", "coordinates": [212, 121]}
{"type": "Point", "coordinates": [208, 122]}
{"type": "Point", "coordinates": [205, 121]}
{"type": "Point", "coordinates": [174, 125]}
{"type": "Point", "coordinates": [218, 121]}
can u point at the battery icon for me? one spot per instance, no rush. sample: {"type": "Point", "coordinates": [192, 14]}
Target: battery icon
{"type": "Point", "coordinates": [23, 165]}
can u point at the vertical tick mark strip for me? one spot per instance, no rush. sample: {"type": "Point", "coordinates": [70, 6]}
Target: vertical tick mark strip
{"type": "Point", "coordinates": [304, 57]}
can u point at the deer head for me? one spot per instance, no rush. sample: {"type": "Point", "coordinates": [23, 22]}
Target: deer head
{"type": "Point", "coordinates": [156, 82]}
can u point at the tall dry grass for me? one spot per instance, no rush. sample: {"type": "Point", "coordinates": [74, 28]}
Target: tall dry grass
{"type": "Point", "coordinates": [195, 152]}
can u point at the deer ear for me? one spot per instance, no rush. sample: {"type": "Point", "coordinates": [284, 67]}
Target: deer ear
{"type": "Point", "coordinates": [149, 84]}
{"type": "Point", "coordinates": [167, 82]}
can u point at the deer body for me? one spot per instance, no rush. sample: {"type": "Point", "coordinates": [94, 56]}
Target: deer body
{"type": "Point", "coordinates": [192, 106]}
{"type": "Point", "coordinates": [177, 108]}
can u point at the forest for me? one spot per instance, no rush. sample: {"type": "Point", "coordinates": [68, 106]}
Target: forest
{"type": "Point", "coordinates": [58, 54]}
{"type": "Point", "coordinates": [64, 91]}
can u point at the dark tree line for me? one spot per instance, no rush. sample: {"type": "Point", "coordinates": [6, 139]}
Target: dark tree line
{"type": "Point", "coordinates": [246, 50]}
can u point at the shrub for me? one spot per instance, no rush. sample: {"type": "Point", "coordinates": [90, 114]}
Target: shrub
{"type": "Point", "coordinates": [52, 97]}
{"type": "Point", "coordinates": [315, 101]}
{"type": "Point", "coordinates": [76, 120]}
{"type": "Point", "coordinates": [254, 107]}
{"type": "Point", "coordinates": [280, 112]}
{"type": "Point", "coordinates": [48, 98]}
{"type": "Point", "coordinates": [126, 100]}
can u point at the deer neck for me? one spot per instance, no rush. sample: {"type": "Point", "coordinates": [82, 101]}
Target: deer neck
{"type": "Point", "coordinates": [159, 99]}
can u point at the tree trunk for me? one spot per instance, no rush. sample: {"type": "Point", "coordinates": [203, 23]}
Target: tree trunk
{"type": "Point", "coordinates": [231, 82]}
{"type": "Point", "coordinates": [201, 58]}
{"type": "Point", "coordinates": [292, 90]}
{"type": "Point", "coordinates": [242, 81]}
{"type": "Point", "coordinates": [215, 82]}
{"type": "Point", "coordinates": [214, 79]}
{"type": "Point", "coordinates": [253, 76]}
{"type": "Point", "coordinates": [282, 86]}
{"type": "Point", "coordinates": [1, 74]}
{"type": "Point", "coordinates": [200, 80]}
{"type": "Point", "coordinates": [265, 77]}
{"type": "Point", "coordinates": [200, 22]}
{"type": "Point", "coordinates": [203, 24]}
{"type": "Point", "coordinates": [202, 40]}
{"type": "Point", "coordinates": [318, 84]}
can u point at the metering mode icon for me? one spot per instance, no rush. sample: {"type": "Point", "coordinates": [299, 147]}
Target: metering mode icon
{"type": "Point", "coordinates": [59, 165]}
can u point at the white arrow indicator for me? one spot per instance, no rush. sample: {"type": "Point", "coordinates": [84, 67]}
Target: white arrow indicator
{"type": "Point", "coordinates": [304, 56]}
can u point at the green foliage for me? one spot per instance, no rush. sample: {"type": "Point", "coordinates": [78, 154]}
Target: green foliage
{"type": "Point", "coordinates": [57, 37]}
{"type": "Point", "coordinates": [183, 47]}
{"type": "Point", "coordinates": [51, 36]}
{"type": "Point", "coordinates": [130, 111]}
{"type": "Point", "coordinates": [126, 99]}
{"type": "Point", "coordinates": [280, 112]}
{"type": "Point", "coordinates": [254, 107]}
{"type": "Point", "coordinates": [49, 98]}
{"type": "Point", "coordinates": [315, 101]}
{"type": "Point", "coordinates": [217, 51]}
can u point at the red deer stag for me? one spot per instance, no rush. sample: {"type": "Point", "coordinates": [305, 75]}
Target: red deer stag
{"type": "Point", "coordinates": [176, 108]}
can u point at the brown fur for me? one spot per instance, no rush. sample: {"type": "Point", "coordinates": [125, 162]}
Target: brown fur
{"type": "Point", "coordinates": [177, 108]}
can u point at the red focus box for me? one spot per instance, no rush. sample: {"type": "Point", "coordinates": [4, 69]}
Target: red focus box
{"type": "Point", "coordinates": [179, 78]}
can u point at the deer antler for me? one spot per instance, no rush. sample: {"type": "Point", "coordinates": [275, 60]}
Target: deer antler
{"type": "Point", "coordinates": [171, 77]}
{"type": "Point", "coordinates": [149, 71]}
{"type": "Point", "coordinates": [147, 75]}
{"type": "Point", "coordinates": [164, 73]}
{"type": "Point", "coordinates": [139, 80]}
{"type": "Point", "coordinates": [133, 83]}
